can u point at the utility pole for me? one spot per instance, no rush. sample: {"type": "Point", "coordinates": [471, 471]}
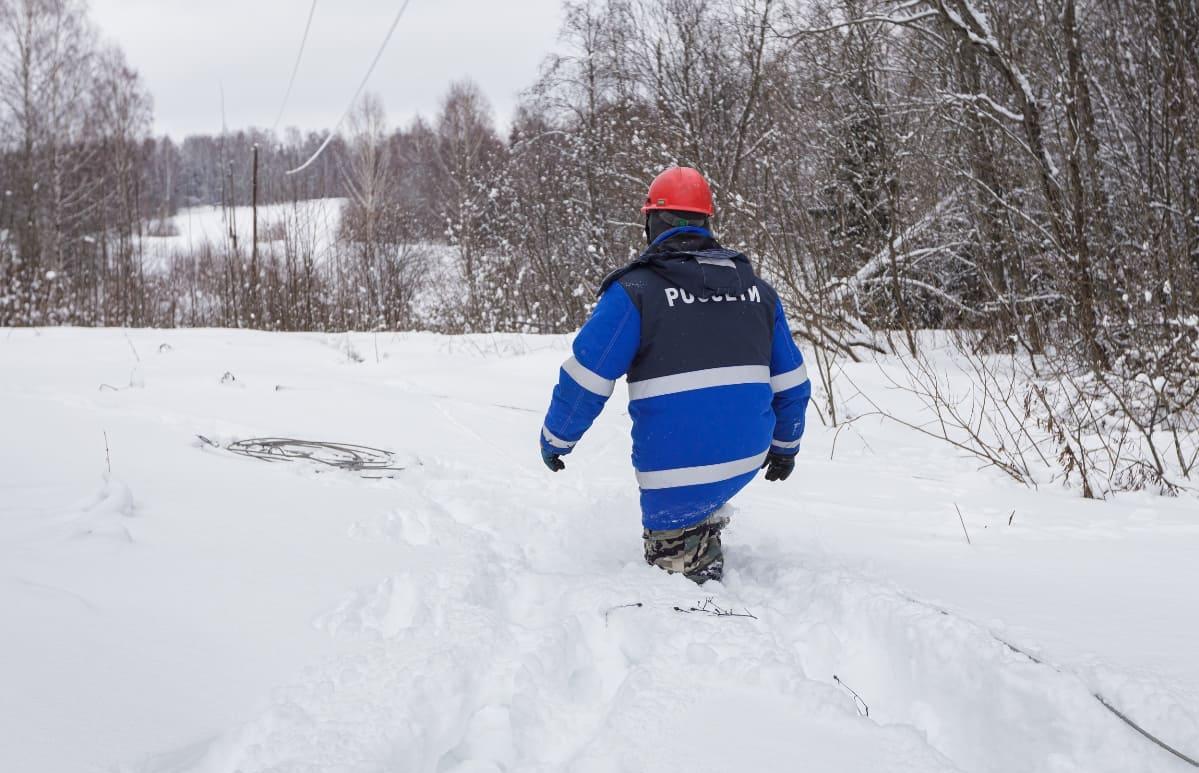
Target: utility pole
{"type": "Point", "coordinates": [254, 290]}
{"type": "Point", "coordinates": [254, 206]}
{"type": "Point", "coordinates": [232, 210]}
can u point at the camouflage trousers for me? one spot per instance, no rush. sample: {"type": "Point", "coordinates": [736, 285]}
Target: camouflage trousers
{"type": "Point", "coordinates": [693, 551]}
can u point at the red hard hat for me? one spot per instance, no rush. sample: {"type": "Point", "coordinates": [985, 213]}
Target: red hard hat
{"type": "Point", "coordinates": [679, 188]}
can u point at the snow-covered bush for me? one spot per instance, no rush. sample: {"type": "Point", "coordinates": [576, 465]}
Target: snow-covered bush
{"type": "Point", "coordinates": [1099, 432]}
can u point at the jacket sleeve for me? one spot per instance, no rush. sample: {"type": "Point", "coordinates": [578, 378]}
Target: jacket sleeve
{"type": "Point", "coordinates": [792, 389]}
{"type": "Point", "coordinates": [602, 352]}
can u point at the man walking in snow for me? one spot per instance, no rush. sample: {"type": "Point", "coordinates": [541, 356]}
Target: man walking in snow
{"type": "Point", "coordinates": [717, 387]}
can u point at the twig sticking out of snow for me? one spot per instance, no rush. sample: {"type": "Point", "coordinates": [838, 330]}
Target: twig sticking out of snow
{"type": "Point", "coordinates": [963, 520]}
{"type": "Point", "coordinates": [610, 610]}
{"type": "Point", "coordinates": [708, 607]}
{"type": "Point", "coordinates": [131, 385]}
{"type": "Point", "coordinates": [133, 348]}
{"type": "Point", "coordinates": [860, 704]}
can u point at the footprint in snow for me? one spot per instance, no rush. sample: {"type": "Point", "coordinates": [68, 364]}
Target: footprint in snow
{"type": "Point", "coordinates": [407, 526]}
{"type": "Point", "coordinates": [385, 611]}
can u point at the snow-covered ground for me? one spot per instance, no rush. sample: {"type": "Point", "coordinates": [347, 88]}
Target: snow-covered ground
{"type": "Point", "coordinates": [195, 610]}
{"type": "Point", "coordinates": [313, 223]}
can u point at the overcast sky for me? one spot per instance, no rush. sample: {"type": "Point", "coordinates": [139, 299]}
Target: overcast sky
{"type": "Point", "coordinates": [186, 49]}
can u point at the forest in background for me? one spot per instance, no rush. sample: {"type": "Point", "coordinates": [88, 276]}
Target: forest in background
{"type": "Point", "coordinates": [1021, 172]}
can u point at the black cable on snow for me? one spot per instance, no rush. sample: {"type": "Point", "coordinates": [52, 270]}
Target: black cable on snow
{"type": "Point", "coordinates": [1145, 732]}
{"type": "Point", "coordinates": [1102, 701]}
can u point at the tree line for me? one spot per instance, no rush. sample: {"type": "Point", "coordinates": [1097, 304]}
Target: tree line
{"type": "Point", "coordinates": [1023, 170]}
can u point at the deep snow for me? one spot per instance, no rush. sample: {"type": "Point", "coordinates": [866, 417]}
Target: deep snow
{"type": "Point", "coordinates": [200, 611]}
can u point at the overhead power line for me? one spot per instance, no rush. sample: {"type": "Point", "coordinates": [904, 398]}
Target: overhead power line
{"type": "Point", "coordinates": [361, 87]}
{"type": "Point", "coordinates": [291, 82]}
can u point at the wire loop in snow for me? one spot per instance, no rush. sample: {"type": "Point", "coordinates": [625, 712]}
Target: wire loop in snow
{"type": "Point", "coordinates": [343, 456]}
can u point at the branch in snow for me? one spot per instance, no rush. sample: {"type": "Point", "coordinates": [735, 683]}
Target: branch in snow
{"type": "Point", "coordinates": [844, 288]}
{"type": "Point", "coordinates": [989, 102]}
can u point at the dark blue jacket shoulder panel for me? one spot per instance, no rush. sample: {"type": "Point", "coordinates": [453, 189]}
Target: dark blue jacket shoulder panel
{"type": "Point", "coordinates": [687, 326]}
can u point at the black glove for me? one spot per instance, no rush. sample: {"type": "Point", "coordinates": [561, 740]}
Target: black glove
{"type": "Point", "coordinates": [778, 466]}
{"type": "Point", "coordinates": [552, 460]}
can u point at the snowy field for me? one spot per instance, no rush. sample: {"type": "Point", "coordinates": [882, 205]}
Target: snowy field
{"type": "Point", "coordinates": [196, 610]}
{"type": "Point", "coordinates": [313, 223]}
